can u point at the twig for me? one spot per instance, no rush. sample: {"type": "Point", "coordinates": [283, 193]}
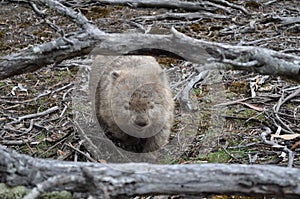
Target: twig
{"type": "Point", "coordinates": [233, 102]}
{"type": "Point", "coordinates": [264, 135]}
{"type": "Point", "coordinates": [184, 96]}
{"type": "Point", "coordinates": [270, 2]}
{"type": "Point", "coordinates": [82, 153]}
{"type": "Point", "coordinates": [244, 10]}
{"type": "Point", "coordinates": [62, 88]}
{"type": "Point", "coordinates": [274, 144]}
{"type": "Point", "coordinates": [75, 16]}
{"type": "Point", "coordinates": [17, 142]}
{"type": "Point", "coordinates": [37, 10]}
{"type": "Point", "coordinates": [280, 102]}
{"type": "Point", "coordinates": [46, 112]}
{"type": "Point", "coordinates": [290, 157]}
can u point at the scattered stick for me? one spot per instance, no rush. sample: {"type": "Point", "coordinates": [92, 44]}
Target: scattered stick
{"type": "Point", "coordinates": [184, 95]}
{"type": "Point", "coordinates": [273, 143]}
{"type": "Point", "coordinates": [82, 153]}
{"type": "Point", "coordinates": [277, 106]}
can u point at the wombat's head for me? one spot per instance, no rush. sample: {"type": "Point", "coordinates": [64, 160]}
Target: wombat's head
{"type": "Point", "coordinates": [140, 103]}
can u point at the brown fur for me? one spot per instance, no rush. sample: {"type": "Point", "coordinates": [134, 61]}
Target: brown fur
{"type": "Point", "coordinates": [133, 102]}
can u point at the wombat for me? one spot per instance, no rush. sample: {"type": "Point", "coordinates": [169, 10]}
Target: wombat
{"type": "Point", "coordinates": [133, 102]}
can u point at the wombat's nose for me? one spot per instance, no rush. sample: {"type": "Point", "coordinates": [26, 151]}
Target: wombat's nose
{"type": "Point", "coordinates": [141, 122]}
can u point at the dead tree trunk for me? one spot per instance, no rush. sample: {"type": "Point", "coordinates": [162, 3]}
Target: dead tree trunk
{"type": "Point", "coordinates": [109, 180]}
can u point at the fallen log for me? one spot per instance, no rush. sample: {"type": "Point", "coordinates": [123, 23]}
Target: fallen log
{"type": "Point", "coordinates": [130, 179]}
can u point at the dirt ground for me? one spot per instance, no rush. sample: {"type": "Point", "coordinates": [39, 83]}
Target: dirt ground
{"type": "Point", "coordinates": [232, 121]}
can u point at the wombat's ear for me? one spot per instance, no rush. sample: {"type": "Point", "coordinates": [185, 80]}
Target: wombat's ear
{"type": "Point", "coordinates": [115, 74]}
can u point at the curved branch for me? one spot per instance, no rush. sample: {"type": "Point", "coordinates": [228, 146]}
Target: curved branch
{"type": "Point", "coordinates": [198, 51]}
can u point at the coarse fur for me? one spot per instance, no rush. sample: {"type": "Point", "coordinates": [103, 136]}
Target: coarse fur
{"type": "Point", "coordinates": [133, 102]}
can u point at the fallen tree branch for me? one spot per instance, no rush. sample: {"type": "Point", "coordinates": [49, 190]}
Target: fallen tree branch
{"type": "Point", "coordinates": [187, 16]}
{"type": "Point", "coordinates": [198, 51]}
{"type": "Point", "coordinates": [138, 179]}
{"type": "Point", "coordinates": [83, 42]}
{"type": "Point", "coordinates": [174, 4]}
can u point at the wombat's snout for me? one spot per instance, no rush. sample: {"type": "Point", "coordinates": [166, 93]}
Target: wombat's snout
{"type": "Point", "coordinates": [141, 121]}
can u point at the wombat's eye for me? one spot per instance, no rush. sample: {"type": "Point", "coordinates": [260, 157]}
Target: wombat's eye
{"type": "Point", "coordinates": [126, 107]}
{"type": "Point", "coordinates": [151, 106]}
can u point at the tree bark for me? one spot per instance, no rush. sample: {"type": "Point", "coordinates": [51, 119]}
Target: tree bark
{"type": "Point", "coordinates": [110, 180]}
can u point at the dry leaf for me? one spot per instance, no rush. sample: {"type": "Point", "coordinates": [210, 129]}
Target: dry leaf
{"type": "Point", "coordinates": [286, 136]}
{"type": "Point", "coordinates": [60, 152]}
{"type": "Point", "coordinates": [295, 145]}
{"type": "Point", "coordinates": [253, 107]}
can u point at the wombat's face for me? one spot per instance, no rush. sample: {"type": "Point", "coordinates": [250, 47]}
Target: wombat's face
{"type": "Point", "coordinates": [139, 105]}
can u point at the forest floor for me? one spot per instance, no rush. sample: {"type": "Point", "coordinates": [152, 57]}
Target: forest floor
{"type": "Point", "coordinates": [234, 107]}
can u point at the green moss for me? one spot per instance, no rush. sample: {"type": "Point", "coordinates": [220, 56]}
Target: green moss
{"type": "Point", "coordinates": [197, 91]}
{"type": "Point", "coordinates": [221, 156]}
{"type": "Point", "coordinates": [170, 161]}
{"type": "Point", "coordinates": [56, 195]}
{"type": "Point", "coordinates": [42, 145]}
{"type": "Point", "coordinates": [248, 113]}
{"type": "Point", "coordinates": [19, 192]}
{"type": "Point", "coordinates": [12, 193]}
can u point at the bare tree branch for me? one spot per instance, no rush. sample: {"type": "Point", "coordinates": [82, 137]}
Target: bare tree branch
{"type": "Point", "coordinates": [262, 60]}
{"type": "Point", "coordinates": [78, 18]}
{"type": "Point", "coordinates": [198, 51]}
{"type": "Point", "coordinates": [175, 4]}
